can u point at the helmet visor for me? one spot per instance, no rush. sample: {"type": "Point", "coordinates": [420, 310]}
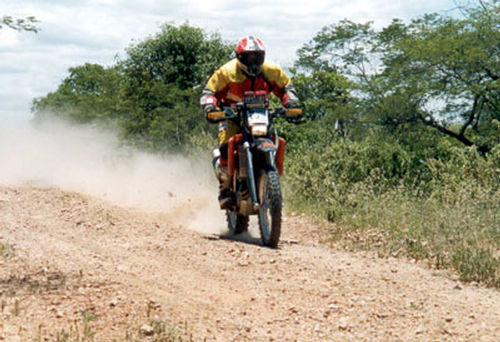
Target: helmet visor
{"type": "Point", "coordinates": [253, 58]}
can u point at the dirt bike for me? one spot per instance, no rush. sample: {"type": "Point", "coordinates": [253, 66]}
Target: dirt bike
{"type": "Point", "coordinates": [255, 162]}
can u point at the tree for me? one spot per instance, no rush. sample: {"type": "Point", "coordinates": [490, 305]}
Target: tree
{"type": "Point", "coordinates": [90, 92]}
{"type": "Point", "coordinates": [164, 76]}
{"type": "Point", "coordinates": [436, 71]}
{"type": "Point", "coordinates": [20, 24]}
{"type": "Point", "coordinates": [337, 55]}
{"type": "Point", "coordinates": [447, 70]}
{"type": "Point", "coordinates": [183, 55]}
{"type": "Point", "coordinates": [321, 92]}
{"type": "Point", "coordinates": [153, 93]}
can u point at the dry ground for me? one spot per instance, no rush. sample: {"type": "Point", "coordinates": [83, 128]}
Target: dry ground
{"type": "Point", "coordinates": [79, 268]}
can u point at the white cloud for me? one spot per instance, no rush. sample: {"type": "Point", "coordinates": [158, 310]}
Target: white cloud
{"type": "Point", "coordinates": [96, 31]}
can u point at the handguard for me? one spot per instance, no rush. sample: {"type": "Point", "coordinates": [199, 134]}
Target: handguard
{"type": "Point", "coordinates": [216, 115]}
{"type": "Point", "coordinates": [293, 112]}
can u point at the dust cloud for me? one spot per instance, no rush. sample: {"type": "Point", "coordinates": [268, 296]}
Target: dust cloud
{"type": "Point", "coordinates": [90, 160]}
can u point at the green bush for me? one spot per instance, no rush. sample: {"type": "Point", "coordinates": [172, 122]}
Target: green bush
{"type": "Point", "coordinates": [380, 197]}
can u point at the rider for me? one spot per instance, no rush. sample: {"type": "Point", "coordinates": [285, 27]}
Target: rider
{"type": "Point", "coordinates": [226, 87]}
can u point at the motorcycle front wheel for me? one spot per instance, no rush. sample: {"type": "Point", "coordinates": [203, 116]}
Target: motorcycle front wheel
{"type": "Point", "coordinates": [270, 204]}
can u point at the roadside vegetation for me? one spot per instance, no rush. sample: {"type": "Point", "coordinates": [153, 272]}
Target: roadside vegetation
{"type": "Point", "coordinates": [401, 149]}
{"type": "Point", "coordinates": [6, 250]}
{"type": "Point", "coordinates": [154, 331]}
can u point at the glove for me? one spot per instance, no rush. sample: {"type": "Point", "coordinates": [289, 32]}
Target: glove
{"type": "Point", "coordinates": [208, 108]}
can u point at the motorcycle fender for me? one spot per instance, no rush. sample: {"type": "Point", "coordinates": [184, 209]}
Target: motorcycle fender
{"type": "Point", "coordinates": [275, 155]}
{"type": "Point", "coordinates": [265, 145]}
{"type": "Point", "coordinates": [268, 148]}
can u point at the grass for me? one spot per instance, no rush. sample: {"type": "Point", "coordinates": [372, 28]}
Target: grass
{"type": "Point", "coordinates": [6, 250]}
{"type": "Point", "coordinates": [77, 334]}
{"type": "Point", "coordinates": [154, 331]}
{"type": "Point", "coordinates": [166, 332]}
{"type": "Point", "coordinates": [461, 235]}
{"type": "Point", "coordinates": [450, 217]}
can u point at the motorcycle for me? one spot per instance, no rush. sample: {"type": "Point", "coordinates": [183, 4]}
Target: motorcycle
{"type": "Point", "coordinates": [255, 162]}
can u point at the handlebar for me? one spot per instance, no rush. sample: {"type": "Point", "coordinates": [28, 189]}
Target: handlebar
{"type": "Point", "coordinates": [293, 115]}
{"type": "Point", "coordinates": [227, 113]}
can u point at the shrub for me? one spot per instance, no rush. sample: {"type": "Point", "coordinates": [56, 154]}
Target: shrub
{"type": "Point", "coordinates": [382, 197]}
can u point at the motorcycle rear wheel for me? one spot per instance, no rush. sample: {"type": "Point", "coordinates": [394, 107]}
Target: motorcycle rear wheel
{"type": "Point", "coordinates": [270, 204]}
{"type": "Point", "coordinates": [236, 223]}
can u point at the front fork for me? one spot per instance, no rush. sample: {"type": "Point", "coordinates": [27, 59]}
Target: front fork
{"type": "Point", "coordinates": [251, 176]}
{"type": "Point", "coordinates": [251, 181]}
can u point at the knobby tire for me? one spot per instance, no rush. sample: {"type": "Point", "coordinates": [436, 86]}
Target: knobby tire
{"type": "Point", "coordinates": [270, 201]}
{"type": "Point", "coordinates": [236, 223]}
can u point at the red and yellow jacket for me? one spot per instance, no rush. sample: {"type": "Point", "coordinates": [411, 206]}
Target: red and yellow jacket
{"type": "Point", "coordinates": [228, 84]}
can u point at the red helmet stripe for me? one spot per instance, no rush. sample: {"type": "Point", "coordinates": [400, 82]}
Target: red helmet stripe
{"type": "Point", "coordinates": [250, 43]}
{"type": "Point", "coordinates": [261, 44]}
{"type": "Point", "coordinates": [244, 43]}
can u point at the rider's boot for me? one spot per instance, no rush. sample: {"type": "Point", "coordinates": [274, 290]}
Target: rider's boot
{"type": "Point", "coordinates": [226, 196]}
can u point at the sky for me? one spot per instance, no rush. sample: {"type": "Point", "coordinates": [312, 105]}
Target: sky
{"type": "Point", "coordinates": [98, 31]}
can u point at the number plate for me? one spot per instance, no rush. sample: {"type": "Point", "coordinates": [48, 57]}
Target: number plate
{"type": "Point", "coordinates": [258, 119]}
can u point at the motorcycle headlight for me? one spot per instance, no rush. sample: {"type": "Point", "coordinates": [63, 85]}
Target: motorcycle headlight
{"type": "Point", "coordinates": [259, 130]}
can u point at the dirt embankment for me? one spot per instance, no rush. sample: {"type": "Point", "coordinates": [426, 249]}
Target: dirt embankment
{"type": "Point", "coordinates": [78, 266]}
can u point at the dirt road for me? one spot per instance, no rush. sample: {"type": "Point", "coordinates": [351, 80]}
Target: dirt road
{"type": "Point", "coordinates": [79, 268]}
